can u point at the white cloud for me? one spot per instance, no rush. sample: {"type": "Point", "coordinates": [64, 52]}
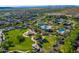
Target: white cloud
{"type": "Point", "coordinates": [38, 2]}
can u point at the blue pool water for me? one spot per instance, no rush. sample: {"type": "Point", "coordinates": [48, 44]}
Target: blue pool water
{"type": "Point", "coordinates": [61, 30]}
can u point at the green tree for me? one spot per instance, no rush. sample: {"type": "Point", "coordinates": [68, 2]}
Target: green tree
{"type": "Point", "coordinates": [21, 39]}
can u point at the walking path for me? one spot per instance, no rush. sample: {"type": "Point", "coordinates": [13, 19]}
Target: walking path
{"type": "Point", "coordinates": [32, 38]}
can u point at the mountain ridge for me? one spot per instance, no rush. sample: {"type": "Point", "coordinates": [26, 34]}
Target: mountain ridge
{"type": "Point", "coordinates": [46, 6]}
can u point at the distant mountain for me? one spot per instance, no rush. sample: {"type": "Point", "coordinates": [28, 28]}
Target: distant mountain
{"type": "Point", "coordinates": [63, 6]}
{"type": "Point", "coordinates": [6, 7]}
{"type": "Point", "coordinates": [48, 6]}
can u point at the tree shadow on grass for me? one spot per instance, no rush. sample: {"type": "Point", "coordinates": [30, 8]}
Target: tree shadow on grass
{"type": "Point", "coordinates": [42, 42]}
{"type": "Point", "coordinates": [45, 41]}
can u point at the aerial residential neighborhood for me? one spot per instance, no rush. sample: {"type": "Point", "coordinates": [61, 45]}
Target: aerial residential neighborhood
{"type": "Point", "coordinates": [41, 29]}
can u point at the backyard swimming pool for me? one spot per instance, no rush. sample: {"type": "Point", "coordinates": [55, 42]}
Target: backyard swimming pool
{"type": "Point", "coordinates": [62, 30]}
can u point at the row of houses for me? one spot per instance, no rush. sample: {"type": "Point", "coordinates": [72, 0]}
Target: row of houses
{"type": "Point", "coordinates": [9, 21]}
{"type": "Point", "coordinates": [67, 26]}
{"type": "Point", "coordinates": [76, 15]}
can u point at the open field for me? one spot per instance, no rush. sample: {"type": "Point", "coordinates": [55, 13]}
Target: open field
{"type": "Point", "coordinates": [24, 46]}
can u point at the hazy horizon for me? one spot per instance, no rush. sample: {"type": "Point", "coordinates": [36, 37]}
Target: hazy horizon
{"type": "Point", "coordinates": [34, 5]}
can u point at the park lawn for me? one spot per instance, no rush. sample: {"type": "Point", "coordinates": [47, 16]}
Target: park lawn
{"type": "Point", "coordinates": [51, 41]}
{"type": "Point", "coordinates": [68, 46]}
{"type": "Point", "coordinates": [12, 36]}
